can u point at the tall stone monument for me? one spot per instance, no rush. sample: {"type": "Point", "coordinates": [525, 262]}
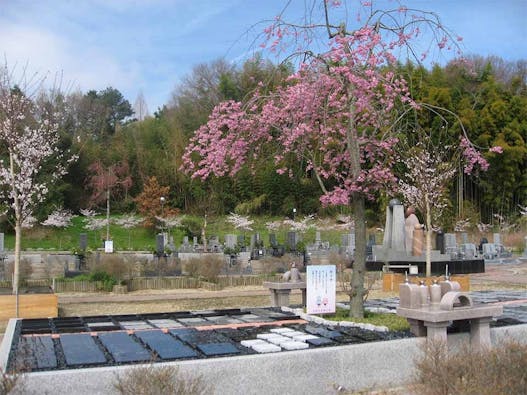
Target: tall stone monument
{"type": "Point", "coordinates": [394, 228]}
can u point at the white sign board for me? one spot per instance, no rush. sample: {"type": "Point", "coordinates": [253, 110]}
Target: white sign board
{"type": "Point", "coordinates": [321, 289]}
{"type": "Point", "coordinates": [108, 246]}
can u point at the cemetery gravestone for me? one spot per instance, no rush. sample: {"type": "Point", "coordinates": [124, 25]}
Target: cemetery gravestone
{"type": "Point", "coordinates": [292, 240]}
{"type": "Point", "coordinates": [496, 238]}
{"type": "Point", "coordinates": [160, 244]}
{"type": "Point", "coordinates": [83, 242]}
{"type": "Point", "coordinates": [230, 241]}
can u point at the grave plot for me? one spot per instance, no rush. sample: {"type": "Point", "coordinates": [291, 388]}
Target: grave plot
{"type": "Point", "coordinates": [78, 342]}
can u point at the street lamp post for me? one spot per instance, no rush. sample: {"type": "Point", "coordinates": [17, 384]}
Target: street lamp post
{"type": "Point", "coordinates": [294, 213]}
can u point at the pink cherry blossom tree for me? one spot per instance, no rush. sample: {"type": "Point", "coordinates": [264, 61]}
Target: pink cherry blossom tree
{"type": "Point", "coordinates": [336, 113]}
{"type": "Point", "coordinates": [29, 138]}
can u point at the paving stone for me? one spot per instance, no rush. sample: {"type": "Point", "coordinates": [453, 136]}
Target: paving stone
{"type": "Point", "coordinates": [282, 330]}
{"type": "Point", "coordinates": [101, 324]}
{"type": "Point", "coordinates": [266, 348]}
{"type": "Point", "coordinates": [222, 319]}
{"type": "Point", "coordinates": [279, 340]}
{"type": "Point", "coordinates": [165, 323]}
{"type": "Point", "coordinates": [267, 336]}
{"type": "Point", "coordinates": [294, 345]}
{"type": "Point", "coordinates": [252, 342]}
{"type": "Point", "coordinates": [294, 333]}
{"type": "Point", "coordinates": [253, 318]}
{"type": "Point", "coordinates": [304, 337]}
{"type": "Point", "coordinates": [135, 325]}
{"type": "Point", "coordinates": [195, 321]}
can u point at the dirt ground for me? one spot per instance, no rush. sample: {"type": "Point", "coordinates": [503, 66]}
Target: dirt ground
{"type": "Point", "coordinates": [496, 277]}
{"type": "Point", "coordinates": [504, 276]}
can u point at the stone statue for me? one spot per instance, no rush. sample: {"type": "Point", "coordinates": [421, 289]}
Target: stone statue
{"type": "Point", "coordinates": [292, 275]}
{"type": "Point", "coordinates": [410, 223]}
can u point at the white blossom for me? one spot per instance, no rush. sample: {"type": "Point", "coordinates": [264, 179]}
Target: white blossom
{"type": "Point", "coordinates": [128, 221]}
{"type": "Point", "coordinates": [302, 225]}
{"type": "Point", "coordinates": [273, 226]}
{"type": "Point", "coordinates": [59, 218]}
{"type": "Point", "coordinates": [88, 212]}
{"type": "Point", "coordinates": [240, 221]}
{"type": "Point", "coordinates": [93, 223]}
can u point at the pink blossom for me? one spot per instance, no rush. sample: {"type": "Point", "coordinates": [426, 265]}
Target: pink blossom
{"type": "Point", "coordinates": [496, 149]}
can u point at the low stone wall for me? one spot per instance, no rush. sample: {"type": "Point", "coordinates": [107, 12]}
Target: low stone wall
{"type": "Point", "coordinates": [317, 371]}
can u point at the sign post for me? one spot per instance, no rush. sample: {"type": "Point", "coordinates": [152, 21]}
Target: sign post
{"type": "Point", "coordinates": [321, 289]}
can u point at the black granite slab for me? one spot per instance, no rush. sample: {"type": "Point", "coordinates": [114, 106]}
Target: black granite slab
{"type": "Point", "coordinates": [123, 347]}
{"type": "Point", "coordinates": [214, 349]}
{"type": "Point", "coordinates": [81, 349]}
{"type": "Point", "coordinates": [165, 345]}
{"type": "Point", "coordinates": [40, 350]}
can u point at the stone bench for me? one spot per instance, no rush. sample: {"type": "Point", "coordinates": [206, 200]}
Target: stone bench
{"type": "Point", "coordinates": [280, 292]}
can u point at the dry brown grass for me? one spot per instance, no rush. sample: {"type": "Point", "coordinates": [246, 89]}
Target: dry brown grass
{"type": "Point", "coordinates": [207, 268]}
{"type": "Point", "coordinates": [159, 380]}
{"type": "Point", "coordinates": [499, 370]}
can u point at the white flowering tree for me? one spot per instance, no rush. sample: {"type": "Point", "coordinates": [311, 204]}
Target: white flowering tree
{"type": "Point", "coordinates": [59, 218]}
{"type": "Point", "coordinates": [301, 226]}
{"type": "Point", "coordinates": [94, 224]}
{"type": "Point", "coordinates": [28, 139]}
{"type": "Point", "coordinates": [128, 222]}
{"type": "Point", "coordinates": [240, 221]}
{"type": "Point", "coordinates": [424, 185]}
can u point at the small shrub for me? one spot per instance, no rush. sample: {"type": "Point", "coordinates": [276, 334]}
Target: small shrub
{"type": "Point", "coordinates": [159, 380]}
{"type": "Point", "coordinates": [499, 370]}
{"type": "Point", "coordinates": [10, 384]}
{"type": "Point", "coordinates": [207, 268]}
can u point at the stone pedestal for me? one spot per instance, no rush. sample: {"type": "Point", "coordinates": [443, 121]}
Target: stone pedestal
{"type": "Point", "coordinates": [480, 332]}
{"type": "Point", "coordinates": [417, 327]}
{"type": "Point", "coordinates": [436, 331]}
{"type": "Point", "coordinates": [279, 292]}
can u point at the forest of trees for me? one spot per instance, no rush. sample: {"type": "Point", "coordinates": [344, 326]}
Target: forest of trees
{"type": "Point", "coordinates": [485, 96]}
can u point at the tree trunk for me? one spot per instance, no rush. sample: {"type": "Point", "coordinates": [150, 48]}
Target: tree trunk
{"type": "Point", "coordinates": [428, 237]}
{"type": "Point", "coordinates": [359, 263]}
{"type": "Point", "coordinates": [108, 214]}
{"type": "Point", "coordinates": [16, 265]}
{"type": "Point", "coordinates": [18, 232]}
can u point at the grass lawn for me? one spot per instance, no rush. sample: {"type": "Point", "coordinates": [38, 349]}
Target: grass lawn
{"type": "Point", "coordinates": [392, 321]}
{"type": "Point", "coordinates": [142, 239]}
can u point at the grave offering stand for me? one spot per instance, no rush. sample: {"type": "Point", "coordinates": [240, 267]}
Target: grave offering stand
{"type": "Point", "coordinates": [280, 291]}
{"type": "Point", "coordinates": [431, 309]}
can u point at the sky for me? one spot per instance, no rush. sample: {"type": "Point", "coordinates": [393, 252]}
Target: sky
{"type": "Point", "coordinates": [148, 46]}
